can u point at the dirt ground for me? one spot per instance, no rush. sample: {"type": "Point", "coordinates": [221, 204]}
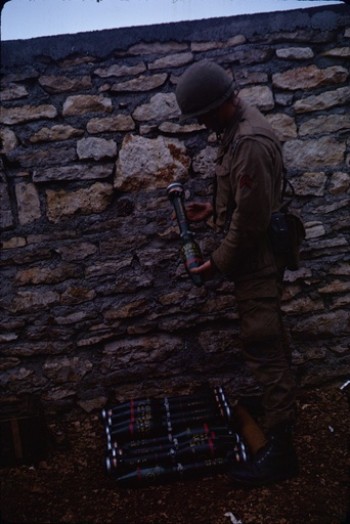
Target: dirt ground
{"type": "Point", "coordinates": [71, 486]}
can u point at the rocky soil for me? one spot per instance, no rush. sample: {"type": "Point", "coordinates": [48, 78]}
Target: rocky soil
{"type": "Point", "coordinates": [71, 486]}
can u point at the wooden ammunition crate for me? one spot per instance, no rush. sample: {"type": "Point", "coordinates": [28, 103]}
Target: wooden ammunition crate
{"type": "Point", "coordinates": [23, 433]}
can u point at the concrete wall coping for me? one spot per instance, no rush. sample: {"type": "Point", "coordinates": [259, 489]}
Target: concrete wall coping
{"type": "Point", "coordinates": [102, 43]}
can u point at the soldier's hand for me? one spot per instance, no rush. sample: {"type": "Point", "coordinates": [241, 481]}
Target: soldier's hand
{"type": "Point", "coordinates": [206, 270]}
{"type": "Point", "coordinates": [197, 211]}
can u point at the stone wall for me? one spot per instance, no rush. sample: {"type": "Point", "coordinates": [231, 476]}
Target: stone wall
{"type": "Point", "coordinates": [95, 301]}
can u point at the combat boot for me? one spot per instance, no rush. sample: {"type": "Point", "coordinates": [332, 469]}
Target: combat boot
{"type": "Point", "coordinates": [274, 462]}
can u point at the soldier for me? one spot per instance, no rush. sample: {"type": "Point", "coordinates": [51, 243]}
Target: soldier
{"type": "Point", "coordinates": [248, 186]}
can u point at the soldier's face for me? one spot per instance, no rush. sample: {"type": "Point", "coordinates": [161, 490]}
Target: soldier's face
{"type": "Point", "coordinates": [218, 119]}
{"type": "Point", "coordinates": [212, 120]}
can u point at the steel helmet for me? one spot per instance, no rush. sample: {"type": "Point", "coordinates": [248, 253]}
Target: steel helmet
{"type": "Point", "coordinates": [204, 86]}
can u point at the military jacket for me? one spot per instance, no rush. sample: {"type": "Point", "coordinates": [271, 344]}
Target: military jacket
{"type": "Point", "coordinates": [249, 174]}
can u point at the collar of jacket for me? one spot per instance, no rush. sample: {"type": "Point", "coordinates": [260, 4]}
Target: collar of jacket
{"type": "Point", "coordinates": [231, 129]}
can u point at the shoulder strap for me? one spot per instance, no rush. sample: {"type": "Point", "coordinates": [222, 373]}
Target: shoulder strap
{"type": "Point", "coordinates": [286, 183]}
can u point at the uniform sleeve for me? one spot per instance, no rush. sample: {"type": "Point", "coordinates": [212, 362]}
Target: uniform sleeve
{"type": "Point", "coordinates": [250, 175]}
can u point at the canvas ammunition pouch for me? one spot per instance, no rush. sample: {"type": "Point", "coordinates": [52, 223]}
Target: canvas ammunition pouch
{"type": "Point", "coordinates": [286, 233]}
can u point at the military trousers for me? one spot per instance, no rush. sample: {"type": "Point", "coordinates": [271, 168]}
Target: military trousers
{"type": "Point", "coordinates": [265, 345]}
